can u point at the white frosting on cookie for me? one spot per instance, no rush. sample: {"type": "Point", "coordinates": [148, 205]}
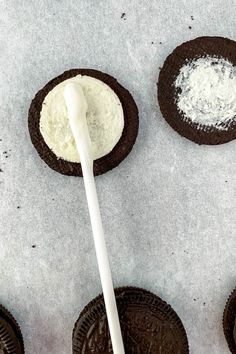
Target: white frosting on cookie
{"type": "Point", "coordinates": [105, 119]}
{"type": "Point", "coordinates": [208, 91]}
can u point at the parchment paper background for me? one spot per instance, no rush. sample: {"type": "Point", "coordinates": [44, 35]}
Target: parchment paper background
{"type": "Point", "coordinates": [169, 209]}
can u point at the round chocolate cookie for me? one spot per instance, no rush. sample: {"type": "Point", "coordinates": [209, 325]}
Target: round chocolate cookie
{"type": "Point", "coordinates": [11, 341]}
{"type": "Point", "coordinates": [229, 322]}
{"type": "Point", "coordinates": [148, 325]}
{"type": "Point", "coordinates": [105, 163]}
{"type": "Point", "coordinates": [201, 47]}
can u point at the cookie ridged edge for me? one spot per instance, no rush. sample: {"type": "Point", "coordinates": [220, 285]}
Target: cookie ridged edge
{"type": "Point", "coordinates": [6, 336]}
{"type": "Point", "coordinates": [229, 318]}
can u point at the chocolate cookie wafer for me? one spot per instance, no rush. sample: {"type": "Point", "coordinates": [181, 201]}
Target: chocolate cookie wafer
{"type": "Point", "coordinates": [11, 341]}
{"type": "Point", "coordinates": [148, 324]}
{"type": "Point", "coordinates": [229, 322]}
{"type": "Point", "coordinates": [104, 163]}
{"type": "Point", "coordinates": [210, 119]}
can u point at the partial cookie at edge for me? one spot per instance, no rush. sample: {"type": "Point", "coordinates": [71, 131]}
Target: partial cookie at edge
{"type": "Point", "coordinates": [229, 319]}
{"type": "Point", "coordinates": [11, 340]}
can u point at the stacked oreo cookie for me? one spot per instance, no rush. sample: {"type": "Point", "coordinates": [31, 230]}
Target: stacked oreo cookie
{"type": "Point", "coordinates": [148, 325]}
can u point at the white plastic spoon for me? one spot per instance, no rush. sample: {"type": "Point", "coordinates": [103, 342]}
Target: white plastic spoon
{"type": "Point", "coordinates": [77, 108]}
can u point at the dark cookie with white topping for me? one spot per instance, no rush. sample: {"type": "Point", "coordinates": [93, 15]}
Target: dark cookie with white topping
{"type": "Point", "coordinates": [112, 121]}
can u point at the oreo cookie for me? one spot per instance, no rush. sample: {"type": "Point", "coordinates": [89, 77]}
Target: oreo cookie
{"type": "Point", "coordinates": [148, 324]}
{"type": "Point", "coordinates": [11, 341]}
{"type": "Point", "coordinates": [229, 322]}
{"type": "Point", "coordinates": [105, 163]}
{"type": "Point", "coordinates": [201, 47]}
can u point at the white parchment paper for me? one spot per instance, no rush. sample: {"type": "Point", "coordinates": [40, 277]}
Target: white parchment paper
{"type": "Point", "coordinates": [169, 209]}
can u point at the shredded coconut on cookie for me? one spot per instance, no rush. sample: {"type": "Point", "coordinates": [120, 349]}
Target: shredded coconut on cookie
{"type": "Point", "coordinates": [207, 91]}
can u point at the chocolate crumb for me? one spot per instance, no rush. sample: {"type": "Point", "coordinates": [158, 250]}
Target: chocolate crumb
{"type": "Point", "coordinates": [190, 27]}
{"type": "Point", "coordinates": [53, 199]}
{"type": "Point", "coordinates": [160, 42]}
{"type": "Point", "coordinates": [192, 18]}
{"type": "Point", "coordinates": [204, 303]}
{"type": "Point", "coordinates": [18, 207]}
{"type": "Point", "coordinates": [226, 181]}
{"type": "Point", "coordinates": [33, 246]}
{"type": "Point", "coordinates": [152, 42]}
{"type": "Point", "coordinates": [4, 152]}
{"type": "Point", "coordinates": [123, 15]}
{"type": "Point", "coordinates": [194, 299]}
{"type": "Point", "coordinates": [1, 170]}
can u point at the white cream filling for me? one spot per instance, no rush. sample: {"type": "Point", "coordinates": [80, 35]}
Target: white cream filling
{"type": "Point", "coordinates": [208, 91]}
{"type": "Point", "coordinates": [105, 119]}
